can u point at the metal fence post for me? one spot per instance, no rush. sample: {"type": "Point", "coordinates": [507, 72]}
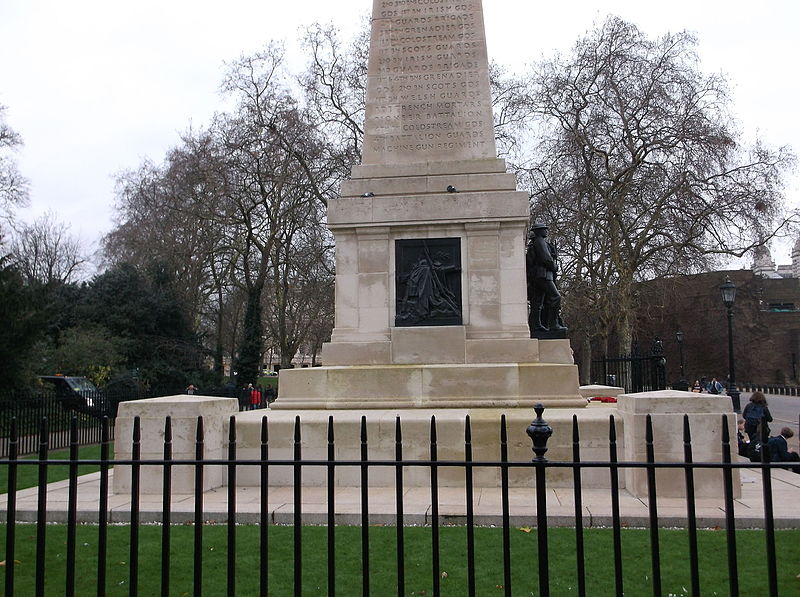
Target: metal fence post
{"type": "Point", "coordinates": [264, 510]}
{"type": "Point", "coordinates": [398, 455]}
{"type": "Point", "coordinates": [133, 552]}
{"type": "Point", "coordinates": [198, 507]}
{"type": "Point", "coordinates": [72, 509]}
{"type": "Point", "coordinates": [166, 507]}
{"type": "Point", "coordinates": [578, 493]}
{"type": "Point", "coordinates": [615, 509]}
{"type": "Point", "coordinates": [506, 507]}
{"type": "Point", "coordinates": [298, 510]}
{"type": "Point", "coordinates": [331, 510]}
{"type": "Point", "coordinates": [11, 507]}
{"type": "Point", "coordinates": [652, 507]}
{"type": "Point", "coordinates": [364, 509]}
{"type": "Point", "coordinates": [41, 511]}
{"type": "Point", "coordinates": [434, 508]}
{"type": "Point", "coordinates": [232, 506]}
{"type": "Point", "coordinates": [469, 488]}
{"type": "Point", "coordinates": [730, 521]}
{"type": "Point", "coordinates": [539, 432]}
{"type": "Point", "coordinates": [691, 510]}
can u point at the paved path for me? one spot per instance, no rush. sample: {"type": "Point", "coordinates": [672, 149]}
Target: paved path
{"type": "Point", "coordinates": [748, 510]}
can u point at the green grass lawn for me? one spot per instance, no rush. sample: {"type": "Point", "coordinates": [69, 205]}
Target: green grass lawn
{"type": "Point", "coordinates": [28, 475]}
{"type": "Point", "coordinates": [383, 577]}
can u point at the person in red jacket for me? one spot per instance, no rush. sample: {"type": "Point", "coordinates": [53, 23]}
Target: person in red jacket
{"type": "Point", "coordinates": [255, 398]}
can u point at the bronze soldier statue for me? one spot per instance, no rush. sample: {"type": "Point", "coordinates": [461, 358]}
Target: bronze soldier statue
{"type": "Point", "coordinates": [545, 300]}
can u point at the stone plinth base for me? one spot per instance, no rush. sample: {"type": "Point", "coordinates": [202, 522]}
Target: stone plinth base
{"type": "Point", "coordinates": [184, 411]}
{"type": "Point", "coordinates": [453, 386]}
{"type": "Point", "coordinates": [445, 345]}
{"type": "Point", "coordinates": [485, 426]}
{"type": "Point", "coordinates": [666, 407]}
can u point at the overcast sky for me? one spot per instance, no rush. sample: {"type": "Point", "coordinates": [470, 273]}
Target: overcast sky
{"type": "Point", "coordinates": [95, 86]}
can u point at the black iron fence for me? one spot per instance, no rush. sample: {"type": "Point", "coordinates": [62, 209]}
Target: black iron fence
{"type": "Point", "coordinates": [539, 433]}
{"type": "Point", "coordinates": [634, 372]}
{"type": "Point", "coordinates": [777, 389]}
{"type": "Point", "coordinates": [89, 408]}
{"type": "Point", "coordinates": [28, 409]}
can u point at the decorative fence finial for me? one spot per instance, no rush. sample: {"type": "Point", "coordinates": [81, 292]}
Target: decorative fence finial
{"type": "Point", "coordinates": [539, 432]}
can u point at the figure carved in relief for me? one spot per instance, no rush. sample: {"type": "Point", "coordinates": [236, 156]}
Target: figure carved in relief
{"type": "Point", "coordinates": [426, 291]}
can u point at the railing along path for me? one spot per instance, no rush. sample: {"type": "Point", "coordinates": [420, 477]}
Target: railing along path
{"type": "Point", "coordinates": [538, 431]}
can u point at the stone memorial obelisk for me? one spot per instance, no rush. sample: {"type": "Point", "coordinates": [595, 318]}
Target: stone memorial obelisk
{"type": "Point", "coordinates": [431, 313]}
{"type": "Point", "coordinates": [431, 306]}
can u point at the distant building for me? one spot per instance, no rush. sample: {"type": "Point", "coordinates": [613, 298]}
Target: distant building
{"type": "Point", "coordinates": [764, 265]}
{"type": "Point", "coordinates": [766, 321]}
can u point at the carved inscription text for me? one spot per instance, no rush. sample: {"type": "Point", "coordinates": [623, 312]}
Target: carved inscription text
{"type": "Point", "coordinates": [428, 93]}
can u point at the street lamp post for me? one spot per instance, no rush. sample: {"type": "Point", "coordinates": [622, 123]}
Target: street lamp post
{"type": "Point", "coordinates": [683, 383]}
{"type": "Point", "coordinates": [728, 290]}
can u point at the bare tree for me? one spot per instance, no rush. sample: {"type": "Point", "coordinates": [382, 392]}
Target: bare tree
{"type": "Point", "coordinates": [167, 214]}
{"type": "Point", "coordinates": [511, 111]}
{"type": "Point", "coordinates": [335, 86]}
{"type": "Point", "coordinates": [640, 172]}
{"type": "Point", "coordinates": [45, 251]}
{"type": "Point", "coordinates": [219, 208]}
{"type": "Point", "coordinates": [299, 299]}
{"type": "Point", "coordinates": [278, 168]}
{"type": "Point", "coordinates": [13, 186]}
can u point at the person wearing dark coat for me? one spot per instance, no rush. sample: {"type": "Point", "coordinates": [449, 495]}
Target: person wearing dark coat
{"type": "Point", "coordinates": [779, 449]}
{"type": "Point", "coordinates": [755, 410]}
{"type": "Point", "coordinates": [743, 444]}
{"type": "Point", "coordinates": [714, 387]}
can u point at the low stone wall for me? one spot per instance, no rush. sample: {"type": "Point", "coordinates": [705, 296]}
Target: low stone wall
{"type": "Point", "coordinates": [184, 411]}
{"type": "Point", "coordinates": [666, 408]}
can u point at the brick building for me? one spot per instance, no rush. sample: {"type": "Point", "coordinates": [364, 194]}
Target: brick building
{"type": "Point", "coordinates": [766, 322]}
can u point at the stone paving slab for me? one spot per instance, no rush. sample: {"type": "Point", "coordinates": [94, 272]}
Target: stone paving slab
{"type": "Point", "coordinates": [417, 505]}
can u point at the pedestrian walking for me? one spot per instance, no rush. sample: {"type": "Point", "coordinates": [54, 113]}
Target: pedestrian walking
{"type": "Point", "coordinates": [753, 413]}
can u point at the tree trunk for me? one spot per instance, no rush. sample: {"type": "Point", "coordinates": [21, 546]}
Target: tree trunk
{"type": "Point", "coordinates": [219, 365]}
{"type": "Point", "coordinates": [585, 366]}
{"type": "Point", "coordinates": [249, 360]}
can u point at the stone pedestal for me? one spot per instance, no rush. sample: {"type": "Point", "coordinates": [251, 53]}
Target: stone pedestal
{"type": "Point", "coordinates": [184, 411]}
{"type": "Point", "coordinates": [488, 220]}
{"type": "Point", "coordinates": [666, 408]}
{"type": "Point", "coordinates": [431, 302]}
{"type": "Point", "coordinates": [490, 385]}
{"type": "Point", "coordinates": [490, 360]}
